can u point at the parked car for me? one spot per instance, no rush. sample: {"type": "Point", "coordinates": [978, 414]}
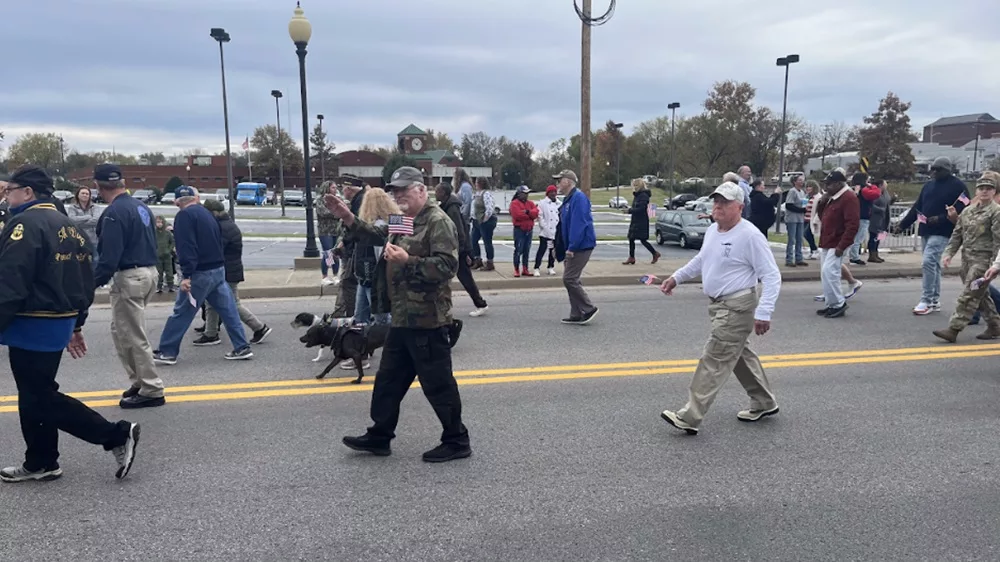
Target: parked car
{"type": "Point", "coordinates": [618, 203]}
{"type": "Point", "coordinates": [147, 196]}
{"type": "Point", "coordinates": [168, 199]}
{"type": "Point", "coordinates": [294, 197]}
{"type": "Point", "coordinates": [787, 178]}
{"type": "Point", "coordinates": [704, 207]}
{"type": "Point", "coordinates": [683, 227]}
{"type": "Point", "coordinates": [693, 181]}
{"type": "Point", "coordinates": [678, 201]}
{"type": "Point", "coordinates": [689, 206]}
{"type": "Point", "coordinates": [62, 195]}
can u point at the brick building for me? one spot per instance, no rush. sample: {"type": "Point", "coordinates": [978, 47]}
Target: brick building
{"type": "Point", "coordinates": [961, 129]}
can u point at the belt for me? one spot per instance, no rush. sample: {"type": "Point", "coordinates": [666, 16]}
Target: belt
{"type": "Point", "coordinates": [737, 294]}
{"type": "Point", "coordinates": [131, 267]}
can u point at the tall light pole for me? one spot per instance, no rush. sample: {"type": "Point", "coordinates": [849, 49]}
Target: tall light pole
{"type": "Point", "coordinates": [281, 161]}
{"type": "Point", "coordinates": [588, 21]}
{"type": "Point", "coordinates": [785, 62]}
{"type": "Point", "coordinates": [221, 36]}
{"type": "Point", "coordinates": [673, 141]}
{"type": "Point", "coordinates": [322, 156]}
{"type": "Point", "coordinates": [975, 150]}
{"type": "Point", "coordinates": [618, 160]}
{"type": "Point", "coordinates": [300, 30]}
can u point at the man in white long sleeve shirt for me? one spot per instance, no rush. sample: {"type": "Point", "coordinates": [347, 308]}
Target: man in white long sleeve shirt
{"type": "Point", "coordinates": [733, 257]}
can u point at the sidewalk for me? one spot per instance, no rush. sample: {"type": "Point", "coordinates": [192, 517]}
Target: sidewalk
{"type": "Point", "coordinates": [283, 283]}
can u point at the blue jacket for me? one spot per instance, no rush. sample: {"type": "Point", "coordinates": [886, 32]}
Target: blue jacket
{"type": "Point", "coordinates": [933, 198]}
{"type": "Point", "coordinates": [577, 222]}
{"type": "Point", "coordinates": [126, 234]}
{"type": "Point", "coordinates": [198, 240]}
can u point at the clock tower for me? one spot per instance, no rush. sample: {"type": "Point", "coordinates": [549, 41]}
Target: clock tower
{"type": "Point", "coordinates": [412, 140]}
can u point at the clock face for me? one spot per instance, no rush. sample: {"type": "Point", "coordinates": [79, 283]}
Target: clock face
{"type": "Point", "coordinates": [417, 144]}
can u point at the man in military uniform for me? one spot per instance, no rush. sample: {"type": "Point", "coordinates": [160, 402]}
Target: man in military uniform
{"type": "Point", "coordinates": [977, 233]}
{"type": "Point", "coordinates": [46, 288]}
{"type": "Point", "coordinates": [354, 191]}
{"type": "Point", "coordinates": [412, 282]}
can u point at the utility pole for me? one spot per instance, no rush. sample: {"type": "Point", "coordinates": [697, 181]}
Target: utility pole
{"type": "Point", "coordinates": [975, 151]}
{"type": "Point", "coordinates": [585, 101]}
{"type": "Point", "coordinates": [673, 141]}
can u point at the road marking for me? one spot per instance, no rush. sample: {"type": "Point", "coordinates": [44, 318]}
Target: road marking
{"type": "Point", "coordinates": [308, 387]}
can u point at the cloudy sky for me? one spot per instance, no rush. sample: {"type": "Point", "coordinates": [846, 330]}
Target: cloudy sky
{"type": "Point", "coordinates": [142, 75]}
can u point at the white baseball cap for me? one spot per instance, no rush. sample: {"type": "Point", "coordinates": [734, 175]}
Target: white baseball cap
{"type": "Point", "coordinates": [729, 191]}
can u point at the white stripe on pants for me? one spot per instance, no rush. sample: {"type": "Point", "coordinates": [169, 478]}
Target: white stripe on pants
{"type": "Point", "coordinates": [830, 275]}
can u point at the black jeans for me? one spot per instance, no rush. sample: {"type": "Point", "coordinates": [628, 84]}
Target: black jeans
{"type": "Point", "coordinates": [872, 242]}
{"type": "Point", "coordinates": [645, 243]}
{"type": "Point", "coordinates": [44, 411]}
{"type": "Point", "coordinates": [468, 282]}
{"type": "Point", "coordinates": [426, 355]}
{"type": "Point", "coordinates": [543, 247]}
{"type": "Point", "coordinates": [810, 238]}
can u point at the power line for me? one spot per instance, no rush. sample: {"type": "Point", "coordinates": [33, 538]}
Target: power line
{"type": "Point", "coordinates": [598, 21]}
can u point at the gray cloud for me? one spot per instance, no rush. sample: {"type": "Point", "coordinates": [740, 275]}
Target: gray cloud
{"type": "Point", "coordinates": [143, 74]}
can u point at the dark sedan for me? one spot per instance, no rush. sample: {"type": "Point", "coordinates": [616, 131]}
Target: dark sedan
{"type": "Point", "coordinates": [683, 227]}
{"type": "Point", "coordinates": [678, 201]}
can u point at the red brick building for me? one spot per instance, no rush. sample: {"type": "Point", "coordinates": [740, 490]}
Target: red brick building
{"type": "Point", "coordinates": [961, 129]}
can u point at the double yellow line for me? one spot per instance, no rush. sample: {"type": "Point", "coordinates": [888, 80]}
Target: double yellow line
{"type": "Point", "coordinates": [312, 387]}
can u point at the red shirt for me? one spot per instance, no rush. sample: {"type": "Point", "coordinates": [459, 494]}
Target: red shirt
{"type": "Point", "coordinates": [523, 214]}
{"type": "Point", "coordinates": [840, 221]}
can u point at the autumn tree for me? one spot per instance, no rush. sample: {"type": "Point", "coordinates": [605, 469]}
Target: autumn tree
{"type": "Point", "coordinates": [439, 141]}
{"type": "Point", "coordinates": [268, 145]}
{"type": "Point", "coordinates": [40, 149]}
{"type": "Point", "coordinates": [884, 137]}
{"type": "Point", "coordinates": [551, 161]}
{"type": "Point", "coordinates": [322, 150]}
{"type": "Point", "coordinates": [650, 147]}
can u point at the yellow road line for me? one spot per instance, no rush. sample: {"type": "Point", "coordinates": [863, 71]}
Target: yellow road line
{"type": "Point", "coordinates": [271, 389]}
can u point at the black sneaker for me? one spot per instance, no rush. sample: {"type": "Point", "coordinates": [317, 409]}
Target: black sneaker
{"type": "Point", "coordinates": [14, 474]}
{"type": "Point", "coordinates": [836, 312]}
{"type": "Point", "coordinates": [132, 391]}
{"type": "Point", "coordinates": [125, 454]}
{"type": "Point", "coordinates": [260, 335]}
{"type": "Point", "coordinates": [447, 452]}
{"type": "Point", "coordinates": [171, 290]}
{"type": "Point", "coordinates": [205, 341]}
{"type": "Point", "coordinates": [140, 401]}
{"type": "Point", "coordinates": [366, 444]}
{"type": "Point", "coordinates": [589, 316]}
{"type": "Point", "coordinates": [200, 330]}
{"type": "Point", "coordinates": [159, 291]}
{"type": "Point", "coordinates": [824, 311]}
{"type": "Point", "coordinates": [571, 320]}
{"type": "Point", "coordinates": [858, 262]}
{"type": "Point", "coordinates": [242, 354]}
{"type": "Point", "coordinates": [160, 359]}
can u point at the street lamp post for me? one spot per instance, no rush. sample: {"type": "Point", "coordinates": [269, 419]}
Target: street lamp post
{"type": "Point", "coordinates": [221, 36]}
{"type": "Point", "coordinates": [322, 156]}
{"type": "Point", "coordinates": [975, 150]}
{"type": "Point", "coordinates": [673, 141]}
{"type": "Point", "coordinates": [281, 162]}
{"type": "Point", "coordinates": [618, 162]}
{"type": "Point", "coordinates": [785, 62]}
{"type": "Point", "coordinates": [300, 30]}
{"type": "Point", "coordinates": [188, 168]}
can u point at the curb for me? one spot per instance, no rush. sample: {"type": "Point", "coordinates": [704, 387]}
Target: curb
{"type": "Point", "coordinates": [545, 282]}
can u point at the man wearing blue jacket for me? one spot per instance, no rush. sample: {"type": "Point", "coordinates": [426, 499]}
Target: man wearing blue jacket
{"type": "Point", "coordinates": [930, 210]}
{"type": "Point", "coordinates": [203, 273]}
{"type": "Point", "coordinates": [576, 228]}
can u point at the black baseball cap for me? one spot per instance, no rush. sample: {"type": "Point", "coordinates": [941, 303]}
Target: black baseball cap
{"type": "Point", "coordinates": [107, 172]}
{"type": "Point", "coordinates": [34, 177]}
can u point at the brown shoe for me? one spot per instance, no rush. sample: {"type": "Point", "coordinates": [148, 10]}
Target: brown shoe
{"type": "Point", "coordinates": [656, 257]}
{"type": "Point", "coordinates": [477, 264]}
{"type": "Point", "coordinates": [630, 261]}
{"type": "Point", "coordinates": [991, 333]}
{"type": "Point", "coordinates": [488, 266]}
{"type": "Point", "coordinates": [949, 335]}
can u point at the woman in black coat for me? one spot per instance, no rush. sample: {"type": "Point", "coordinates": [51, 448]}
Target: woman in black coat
{"type": "Point", "coordinates": [638, 228]}
{"type": "Point", "coordinates": [762, 207]}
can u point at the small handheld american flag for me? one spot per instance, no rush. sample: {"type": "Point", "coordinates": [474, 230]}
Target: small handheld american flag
{"type": "Point", "coordinates": [398, 224]}
{"type": "Point", "coordinates": [921, 218]}
{"type": "Point", "coordinates": [648, 279]}
{"type": "Point", "coordinates": [963, 198]}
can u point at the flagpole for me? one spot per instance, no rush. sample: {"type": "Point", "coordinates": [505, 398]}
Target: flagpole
{"type": "Point", "coordinates": [249, 163]}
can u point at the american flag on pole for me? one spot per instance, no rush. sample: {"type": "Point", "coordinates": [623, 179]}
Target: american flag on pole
{"type": "Point", "coordinates": [246, 144]}
{"type": "Point", "coordinates": [921, 218]}
{"type": "Point", "coordinates": [963, 198]}
{"type": "Point", "coordinates": [398, 224]}
{"type": "Point", "coordinates": [648, 279]}
{"type": "Point", "coordinates": [651, 210]}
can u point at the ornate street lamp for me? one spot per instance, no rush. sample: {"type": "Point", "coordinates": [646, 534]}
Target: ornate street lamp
{"type": "Point", "coordinates": [300, 30]}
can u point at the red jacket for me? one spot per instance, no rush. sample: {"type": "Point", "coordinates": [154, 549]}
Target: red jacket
{"type": "Point", "coordinates": [839, 221]}
{"type": "Point", "coordinates": [523, 214]}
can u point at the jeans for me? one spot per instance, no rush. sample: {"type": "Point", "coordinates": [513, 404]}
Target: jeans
{"type": "Point", "coordinates": [328, 242]}
{"type": "Point", "coordinates": [208, 286]}
{"type": "Point", "coordinates": [522, 247]}
{"type": "Point", "coordinates": [363, 308]}
{"type": "Point", "coordinates": [830, 275]}
{"type": "Point", "coordinates": [933, 248]}
{"type": "Point", "coordinates": [483, 230]}
{"type": "Point", "coordinates": [810, 238]}
{"type": "Point", "coordinates": [995, 295]}
{"type": "Point", "coordinates": [872, 243]}
{"type": "Point", "coordinates": [858, 239]}
{"type": "Point", "coordinates": [793, 250]}
{"type": "Point", "coordinates": [543, 248]}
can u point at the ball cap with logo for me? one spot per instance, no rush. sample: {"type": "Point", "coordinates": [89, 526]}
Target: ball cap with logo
{"type": "Point", "coordinates": [348, 180]}
{"type": "Point", "coordinates": [185, 191]}
{"type": "Point", "coordinates": [568, 174]}
{"type": "Point", "coordinates": [405, 177]}
{"type": "Point", "coordinates": [728, 191]}
{"type": "Point", "coordinates": [524, 189]}
{"type": "Point", "coordinates": [107, 172]}
{"type": "Point", "coordinates": [34, 177]}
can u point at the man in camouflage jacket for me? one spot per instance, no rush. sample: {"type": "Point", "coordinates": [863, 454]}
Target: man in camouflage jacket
{"type": "Point", "coordinates": [412, 281]}
{"type": "Point", "coordinates": [977, 233]}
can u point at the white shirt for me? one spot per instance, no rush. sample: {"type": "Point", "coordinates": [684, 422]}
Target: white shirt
{"type": "Point", "coordinates": [732, 261]}
{"type": "Point", "coordinates": [548, 218]}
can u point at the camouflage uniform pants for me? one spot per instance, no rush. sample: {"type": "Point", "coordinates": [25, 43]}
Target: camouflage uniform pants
{"type": "Point", "coordinates": [969, 301]}
{"type": "Point", "coordinates": [347, 295]}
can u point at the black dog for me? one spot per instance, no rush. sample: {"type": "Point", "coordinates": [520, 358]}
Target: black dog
{"type": "Point", "coordinates": [347, 342]}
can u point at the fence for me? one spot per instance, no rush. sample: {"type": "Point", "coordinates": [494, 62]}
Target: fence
{"type": "Point", "coordinates": [906, 241]}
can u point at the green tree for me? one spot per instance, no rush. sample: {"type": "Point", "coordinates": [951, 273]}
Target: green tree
{"type": "Point", "coordinates": [268, 146]}
{"type": "Point", "coordinates": [153, 158]}
{"type": "Point", "coordinates": [884, 137]}
{"type": "Point", "coordinates": [172, 184]}
{"type": "Point", "coordinates": [439, 141]}
{"type": "Point", "coordinates": [322, 151]}
{"type": "Point", "coordinates": [511, 173]}
{"type": "Point", "coordinates": [395, 162]}
{"type": "Point", "coordinates": [480, 149]}
{"type": "Point", "coordinates": [40, 149]}
{"type": "Point", "coordinates": [650, 146]}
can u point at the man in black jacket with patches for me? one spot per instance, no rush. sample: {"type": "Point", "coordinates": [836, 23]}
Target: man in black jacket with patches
{"type": "Point", "coordinates": [232, 253]}
{"type": "Point", "coordinates": [452, 206]}
{"type": "Point", "coordinates": [46, 289]}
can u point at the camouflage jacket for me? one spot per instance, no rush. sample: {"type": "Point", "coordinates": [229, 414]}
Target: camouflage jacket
{"type": "Point", "coordinates": [417, 293]}
{"type": "Point", "coordinates": [977, 233]}
{"type": "Point", "coordinates": [326, 223]}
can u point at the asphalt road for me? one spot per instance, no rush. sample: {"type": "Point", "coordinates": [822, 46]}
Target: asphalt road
{"type": "Point", "coordinates": [885, 449]}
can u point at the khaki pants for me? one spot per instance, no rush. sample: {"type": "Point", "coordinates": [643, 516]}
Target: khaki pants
{"type": "Point", "coordinates": [130, 294]}
{"type": "Point", "coordinates": [727, 352]}
{"type": "Point", "coordinates": [579, 301]}
{"type": "Point", "coordinates": [212, 320]}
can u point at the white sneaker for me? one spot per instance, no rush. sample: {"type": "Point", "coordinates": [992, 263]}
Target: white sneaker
{"type": "Point", "coordinates": [336, 281]}
{"type": "Point", "coordinates": [854, 288]}
{"type": "Point", "coordinates": [537, 273]}
{"type": "Point", "coordinates": [812, 256]}
{"type": "Point", "coordinates": [552, 271]}
{"type": "Point", "coordinates": [819, 298]}
{"type": "Point", "coordinates": [479, 312]}
{"type": "Point", "coordinates": [922, 309]}
{"type": "Point", "coordinates": [326, 282]}
{"type": "Point", "coordinates": [935, 307]}
{"type": "Point", "coordinates": [349, 365]}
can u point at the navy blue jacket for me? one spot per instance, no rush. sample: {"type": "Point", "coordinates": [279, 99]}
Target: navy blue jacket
{"type": "Point", "coordinates": [934, 197]}
{"type": "Point", "coordinates": [198, 240]}
{"type": "Point", "coordinates": [126, 234]}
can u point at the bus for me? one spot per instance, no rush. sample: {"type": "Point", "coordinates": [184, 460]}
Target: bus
{"type": "Point", "coordinates": [251, 193]}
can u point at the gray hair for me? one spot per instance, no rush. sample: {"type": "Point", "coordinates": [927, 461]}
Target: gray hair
{"type": "Point", "coordinates": [109, 185]}
{"type": "Point", "coordinates": [189, 199]}
{"type": "Point", "coordinates": [732, 177]}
